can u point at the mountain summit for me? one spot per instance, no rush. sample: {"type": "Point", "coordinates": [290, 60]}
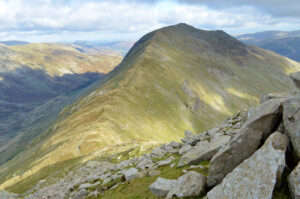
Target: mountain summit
{"type": "Point", "coordinates": [174, 79]}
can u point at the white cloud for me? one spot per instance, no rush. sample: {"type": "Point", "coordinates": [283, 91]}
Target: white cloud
{"type": "Point", "coordinates": [47, 20]}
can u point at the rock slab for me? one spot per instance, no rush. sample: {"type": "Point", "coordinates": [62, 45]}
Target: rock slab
{"type": "Point", "coordinates": [291, 121]}
{"type": "Point", "coordinates": [203, 151]}
{"type": "Point", "coordinates": [260, 123]}
{"type": "Point", "coordinates": [257, 176]}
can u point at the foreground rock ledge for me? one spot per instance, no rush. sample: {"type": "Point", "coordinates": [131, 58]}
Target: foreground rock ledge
{"type": "Point", "coordinates": [257, 176]}
{"type": "Point", "coordinates": [260, 123]}
{"type": "Point", "coordinates": [291, 120]}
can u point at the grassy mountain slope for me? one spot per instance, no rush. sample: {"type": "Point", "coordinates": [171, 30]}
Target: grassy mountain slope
{"type": "Point", "coordinates": [283, 43]}
{"type": "Point", "coordinates": [36, 82]}
{"type": "Point", "coordinates": [173, 79]}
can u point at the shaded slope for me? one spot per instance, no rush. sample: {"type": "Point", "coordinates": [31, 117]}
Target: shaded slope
{"type": "Point", "coordinates": [174, 79]}
{"type": "Point", "coordinates": [32, 74]}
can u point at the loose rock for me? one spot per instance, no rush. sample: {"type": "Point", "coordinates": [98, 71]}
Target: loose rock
{"type": "Point", "coordinates": [189, 185]}
{"type": "Point", "coordinates": [161, 187]}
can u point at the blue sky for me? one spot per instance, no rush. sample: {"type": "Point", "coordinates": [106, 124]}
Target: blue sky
{"type": "Point", "coordinates": [109, 20]}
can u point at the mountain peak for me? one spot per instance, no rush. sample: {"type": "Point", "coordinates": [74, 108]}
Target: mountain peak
{"type": "Point", "coordinates": [174, 35]}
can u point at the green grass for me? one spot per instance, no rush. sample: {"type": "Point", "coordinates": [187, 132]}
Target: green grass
{"type": "Point", "coordinates": [139, 188]}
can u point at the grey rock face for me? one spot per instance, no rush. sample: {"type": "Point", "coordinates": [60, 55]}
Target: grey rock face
{"type": "Point", "coordinates": [291, 120]}
{"type": "Point", "coordinates": [189, 185]}
{"type": "Point", "coordinates": [294, 182]}
{"type": "Point", "coordinates": [257, 176]}
{"type": "Point", "coordinates": [161, 187]}
{"type": "Point", "coordinates": [204, 150]}
{"type": "Point", "coordinates": [265, 117]}
{"type": "Point", "coordinates": [261, 121]}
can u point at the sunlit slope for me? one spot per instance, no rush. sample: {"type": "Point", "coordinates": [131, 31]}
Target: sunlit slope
{"type": "Point", "coordinates": [60, 59]}
{"type": "Point", "coordinates": [174, 79]}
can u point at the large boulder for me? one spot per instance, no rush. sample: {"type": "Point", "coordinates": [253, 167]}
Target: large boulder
{"type": "Point", "coordinates": [291, 120]}
{"type": "Point", "coordinates": [265, 117]}
{"type": "Point", "coordinates": [257, 176]}
{"type": "Point", "coordinates": [189, 185]}
{"type": "Point", "coordinates": [161, 187]}
{"type": "Point", "coordinates": [204, 150]}
{"type": "Point", "coordinates": [296, 78]}
{"type": "Point", "coordinates": [260, 123]}
{"type": "Point", "coordinates": [294, 182]}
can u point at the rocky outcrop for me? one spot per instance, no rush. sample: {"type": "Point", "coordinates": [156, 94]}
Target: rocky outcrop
{"type": "Point", "coordinates": [257, 176]}
{"type": "Point", "coordinates": [291, 120]}
{"type": "Point", "coordinates": [191, 184]}
{"type": "Point", "coordinates": [161, 187]}
{"type": "Point", "coordinates": [260, 123]}
{"type": "Point", "coordinates": [204, 150]}
{"type": "Point", "coordinates": [294, 182]}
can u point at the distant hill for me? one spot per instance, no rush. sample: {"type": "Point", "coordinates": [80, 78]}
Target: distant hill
{"type": "Point", "coordinates": [283, 43]}
{"type": "Point", "coordinates": [173, 79]}
{"type": "Point", "coordinates": [13, 43]}
{"type": "Point", "coordinates": [117, 46]}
